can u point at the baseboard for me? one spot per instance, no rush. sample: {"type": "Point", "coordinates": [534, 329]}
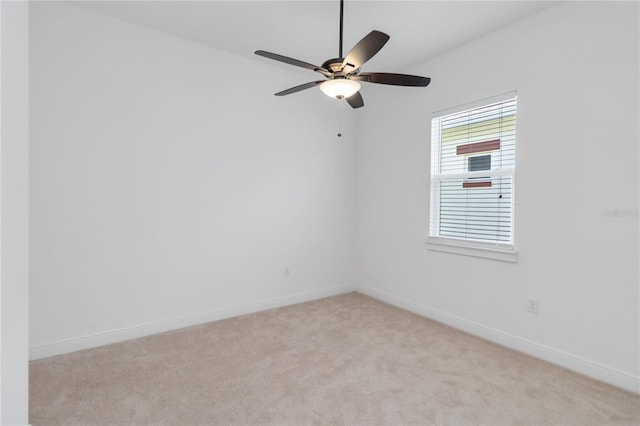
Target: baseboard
{"type": "Point", "coordinates": [571, 362]}
{"type": "Point", "coordinates": [120, 335]}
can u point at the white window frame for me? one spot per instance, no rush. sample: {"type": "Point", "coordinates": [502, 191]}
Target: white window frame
{"type": "Point", "coordinates": [496, 251]}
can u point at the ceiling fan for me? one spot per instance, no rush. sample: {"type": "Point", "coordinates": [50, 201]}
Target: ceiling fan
{"type": "Point", "coordinates": [342, 74]}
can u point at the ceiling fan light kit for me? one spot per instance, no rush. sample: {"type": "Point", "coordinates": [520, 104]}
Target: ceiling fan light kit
{"type": "Point", "coordinates": [339, 88]}
{"type": "Point", "coordinates": [342, 74]}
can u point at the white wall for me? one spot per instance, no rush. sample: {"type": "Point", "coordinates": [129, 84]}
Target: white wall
{"type": "Point", "coordinates": [170, 187]}
{"type": "Point", "coordinates": [575, 67]}
{"type": "Point", "coordinates": [14, 213]}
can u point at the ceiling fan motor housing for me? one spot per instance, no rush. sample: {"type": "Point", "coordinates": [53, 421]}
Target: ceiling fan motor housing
{"type": "Point", "coordinates": [335, 67]}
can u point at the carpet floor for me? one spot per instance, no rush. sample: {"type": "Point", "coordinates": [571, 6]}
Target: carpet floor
{"type": "Point", "coordinates": [347, 359]}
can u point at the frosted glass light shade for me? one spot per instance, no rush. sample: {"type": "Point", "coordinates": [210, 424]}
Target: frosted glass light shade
{"type": "Point", "coordinates": [340, 88]}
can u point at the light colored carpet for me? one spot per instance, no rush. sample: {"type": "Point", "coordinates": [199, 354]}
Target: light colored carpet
{"type": "Point", "coordinates": [347, 359]}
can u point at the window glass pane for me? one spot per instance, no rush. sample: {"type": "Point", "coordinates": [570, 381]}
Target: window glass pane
{"type": "Point", "coordinates": [478, 213]}
{"type": "Point", "coordinates": [481, 162]}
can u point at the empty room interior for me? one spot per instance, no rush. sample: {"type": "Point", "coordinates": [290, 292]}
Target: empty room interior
{"type": "Point", "coordinates": [455, 242]}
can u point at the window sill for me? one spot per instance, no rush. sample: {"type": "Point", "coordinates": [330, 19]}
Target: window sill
{"type": "Point", "coordinates": [504, 255]}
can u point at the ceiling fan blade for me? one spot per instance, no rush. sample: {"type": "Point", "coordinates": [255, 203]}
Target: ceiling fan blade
{"type": "Point", "coordinates": [355, 100]}
{"type": "Point", "coordinates": [393, 79]}
{"type": "Point", "coordinates": [364, 50]}
{"type": "Point", "coordinates": [299, 88]}
{"type": "Point", "coordinates": [292, 61]}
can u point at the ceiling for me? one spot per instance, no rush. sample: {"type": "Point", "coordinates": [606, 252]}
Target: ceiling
{"type": "Point", "coordinates": [309, 30]}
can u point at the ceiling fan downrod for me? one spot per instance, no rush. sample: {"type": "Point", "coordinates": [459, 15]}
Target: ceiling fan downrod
{"type": "Point", "coordinates": [341, 25]}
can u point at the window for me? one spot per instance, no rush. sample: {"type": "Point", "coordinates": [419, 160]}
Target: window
{"type": "Point", "coordinates": [479, 162]}
{"type": "Point", "coordinates": [472, 175]}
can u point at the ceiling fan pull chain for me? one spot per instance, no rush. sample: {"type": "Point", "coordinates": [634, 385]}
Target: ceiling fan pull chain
{"type": "Point", "coordinates": [339, 119]}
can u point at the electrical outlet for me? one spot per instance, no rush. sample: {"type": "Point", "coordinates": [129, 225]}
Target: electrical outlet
{"type": "Point", "coordinates": [286, 271]}
{"type": "Point", "coordinates": [533, 305]}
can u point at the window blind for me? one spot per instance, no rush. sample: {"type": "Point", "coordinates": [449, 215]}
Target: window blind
{"type": "Point", "coordinates": [472, 173]}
